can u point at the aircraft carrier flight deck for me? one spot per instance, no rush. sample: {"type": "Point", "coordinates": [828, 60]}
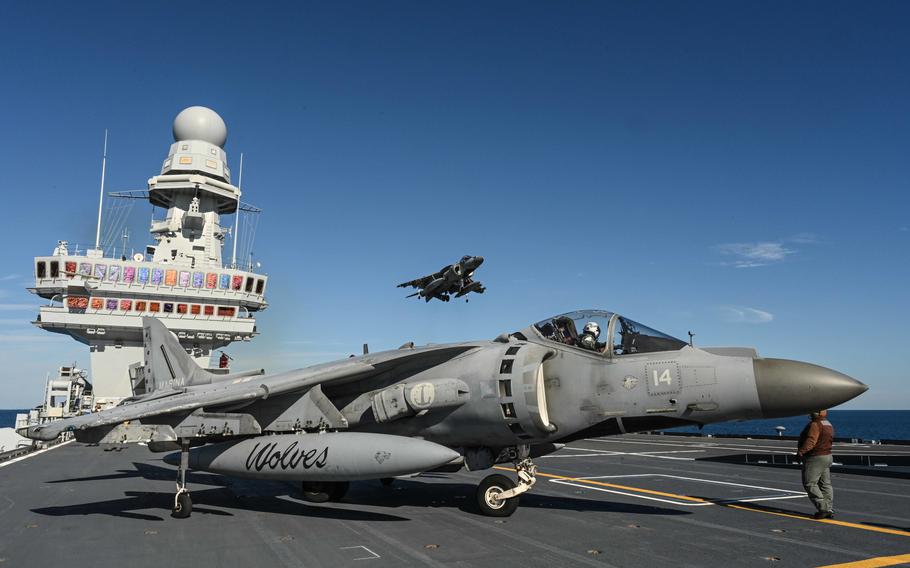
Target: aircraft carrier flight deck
{"type": "Point", "coordinates": [633, 500]}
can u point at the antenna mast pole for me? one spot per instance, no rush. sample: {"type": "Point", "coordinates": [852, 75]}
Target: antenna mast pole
{"type": "Point", "coordinates": [237, 215]}
{"type": "Point", "coordinates": [101, 196]}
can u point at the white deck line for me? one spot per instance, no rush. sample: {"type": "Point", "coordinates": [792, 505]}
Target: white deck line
{"type": "Point", "coordinates": [33, 454]}
{"type": "Point", "coordinates": [787, 493]}
{"type": "Point", "coordinates": [800, 493]}
{"type": "Point", "coordinates": [636, 495]}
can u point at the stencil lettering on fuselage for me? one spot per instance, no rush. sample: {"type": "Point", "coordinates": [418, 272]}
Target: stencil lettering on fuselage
{"type": "Point", "coordinates": [662, 377]}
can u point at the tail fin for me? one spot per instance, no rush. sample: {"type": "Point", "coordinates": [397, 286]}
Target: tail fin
{"type": "Point", "coordinates": [167, 364]}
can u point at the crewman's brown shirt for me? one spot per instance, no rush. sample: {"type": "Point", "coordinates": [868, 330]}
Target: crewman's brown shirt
{"type": "Point", "coordinates": [816, 439]}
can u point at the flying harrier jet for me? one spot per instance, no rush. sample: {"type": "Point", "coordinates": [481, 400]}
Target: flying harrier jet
{"type": "Point", "coordinates": [452, 279]}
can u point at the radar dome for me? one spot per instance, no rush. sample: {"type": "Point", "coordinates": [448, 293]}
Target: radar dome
{"type": "Point", "coordinates": [200, 123]}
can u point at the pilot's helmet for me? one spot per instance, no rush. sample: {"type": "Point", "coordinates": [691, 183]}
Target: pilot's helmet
{"type": "Point", "coordinates": [592, 328]}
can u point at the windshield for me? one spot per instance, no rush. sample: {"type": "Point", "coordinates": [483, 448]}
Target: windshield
{"type": "Point", "coordinates": [632, 337]}
{"type": "Point", "coordinates": [590, 330]}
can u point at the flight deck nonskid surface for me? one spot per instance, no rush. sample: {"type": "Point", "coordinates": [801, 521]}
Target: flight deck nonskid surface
{"type": "Point", "coordinates": [632, 500]}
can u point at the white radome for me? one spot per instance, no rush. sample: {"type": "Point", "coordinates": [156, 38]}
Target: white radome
{"type": "Point", "coordinates": [200, 123]}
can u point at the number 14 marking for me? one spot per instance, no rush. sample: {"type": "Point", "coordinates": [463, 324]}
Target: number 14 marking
{"type": "Point", "coordinates": [663, 378]}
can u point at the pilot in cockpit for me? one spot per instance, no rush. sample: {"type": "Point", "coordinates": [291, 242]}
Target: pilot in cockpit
{"type": "Point", "coordinates": [589, 336]}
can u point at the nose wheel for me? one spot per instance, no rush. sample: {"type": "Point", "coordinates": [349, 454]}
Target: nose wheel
{"type": "Point", "coordinates": [183, 505]}
{"type": "Point", "coordinates": [489, 496]}
{"type": "Point", "coordinates": [497, 494]}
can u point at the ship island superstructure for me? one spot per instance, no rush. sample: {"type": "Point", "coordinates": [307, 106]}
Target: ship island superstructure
{"type": "Point", "coordinates": [181, 279]}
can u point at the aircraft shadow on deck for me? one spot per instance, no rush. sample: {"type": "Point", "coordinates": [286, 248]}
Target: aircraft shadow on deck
{"type": "Point", "coordinates": [203, 501]}
{"type": "Point", "coordinates": [228, 494]}
{"type": "Point", "coordinates": [461, 496]}
{"type": "Point", "coordinates": [151, 472]}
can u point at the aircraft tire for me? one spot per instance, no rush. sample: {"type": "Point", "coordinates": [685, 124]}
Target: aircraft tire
{"type": "Point", "coordinates": [338, 490]}
{"type": "Point", "coordinates": [324, 491]}
{"type": "Point", "coordinates": [488, 488]}
{"type": "Point", "coordinates": [184, 506]}
{"type": "Point", "coordinates": [316, 491]}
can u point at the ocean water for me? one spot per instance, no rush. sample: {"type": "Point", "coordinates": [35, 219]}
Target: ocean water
{"type": "Point", "coordinates": [864, 424]}
{"type": "Point", "coordinates": [8, 417]}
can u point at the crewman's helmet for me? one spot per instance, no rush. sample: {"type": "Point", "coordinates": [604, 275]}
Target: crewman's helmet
{"type": "Point", "coordinates": [592, 328]}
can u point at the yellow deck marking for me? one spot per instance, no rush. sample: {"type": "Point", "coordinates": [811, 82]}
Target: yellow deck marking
{"type": "Point", "coordinates": [873, 562]}
{"type": "Point", "coordinates": [614, 486]}
{"type": "Point", "coordinates": [864, 527]}
{"type": "Point", "coordinates": [826, 521]}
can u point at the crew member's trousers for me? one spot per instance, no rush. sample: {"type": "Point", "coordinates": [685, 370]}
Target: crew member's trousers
{"type": "Point", "coordinates": [817, 481]}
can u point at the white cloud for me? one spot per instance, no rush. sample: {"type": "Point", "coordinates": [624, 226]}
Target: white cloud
{"type": "Point", "coordinates": [751, 255]}
{"type": "Point", "coordinates": [804, 239]}
{"type": "Point", "coordinates": [743, 314]}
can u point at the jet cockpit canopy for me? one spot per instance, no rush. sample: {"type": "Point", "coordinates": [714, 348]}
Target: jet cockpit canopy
{"type": "Point", "coordinates": [605, 332]}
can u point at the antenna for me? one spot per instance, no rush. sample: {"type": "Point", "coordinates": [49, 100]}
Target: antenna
{"type": "Point", "coordinates": [125, 237]}
{"type": "Point", "coordinates": [101, 197]}
{"type": "Point", "coordinates": [237, 215]}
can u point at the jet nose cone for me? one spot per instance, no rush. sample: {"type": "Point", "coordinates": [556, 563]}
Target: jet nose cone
{"type": "Point", "coordinates": [788, 388]}
{"type": "Point", "coordinates": [478, 260]}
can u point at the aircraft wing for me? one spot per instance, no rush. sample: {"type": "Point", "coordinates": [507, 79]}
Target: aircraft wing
{"type": "Point", "coordinates": [249, 389]}
{"type": "Point", "coordinates": [421, 282]}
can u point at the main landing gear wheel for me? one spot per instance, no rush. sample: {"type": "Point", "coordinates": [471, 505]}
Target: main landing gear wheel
{"type": "Point", "coordinates": [323, 491]}
{"type": "Point", "coordinates": [488, 493]}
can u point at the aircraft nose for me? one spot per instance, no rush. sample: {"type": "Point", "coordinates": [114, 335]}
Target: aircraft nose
{"type": "Point", "coordinates": [789, 388]}
{"type": "Point", "coordinates": [478, 260]}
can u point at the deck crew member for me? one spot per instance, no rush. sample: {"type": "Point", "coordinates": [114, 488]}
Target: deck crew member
{"type": "Point", "coordinates": [814, 451]}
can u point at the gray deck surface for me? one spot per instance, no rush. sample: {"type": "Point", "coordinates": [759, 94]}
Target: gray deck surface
{"type": "Point", "coordinates": [654, 500]}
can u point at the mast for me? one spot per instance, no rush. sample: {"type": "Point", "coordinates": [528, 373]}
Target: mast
{"type": "Point", "coordinates": [101, 196]}
{"type": "Point", "coordinates": [237, 215]}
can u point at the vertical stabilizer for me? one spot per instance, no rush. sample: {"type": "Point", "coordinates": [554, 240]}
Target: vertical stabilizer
{"type": "Point", "coordinates": [167, 364]}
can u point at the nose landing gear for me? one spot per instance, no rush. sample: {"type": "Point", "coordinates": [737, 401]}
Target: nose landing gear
{"type": "Point", "coordinates": [497, 495]}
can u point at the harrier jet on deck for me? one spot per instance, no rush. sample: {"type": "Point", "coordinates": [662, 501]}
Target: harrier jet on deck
{"type": "Point", "coordinates": [462, 405]}
{"type": "Point", "coordinates": [453, 279]}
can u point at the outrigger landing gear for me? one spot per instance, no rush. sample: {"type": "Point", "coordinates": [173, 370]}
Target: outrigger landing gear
{"type": "Point", "coordinates": [183, 505]}
{"type": "Point", "coordinates": [497, 495]}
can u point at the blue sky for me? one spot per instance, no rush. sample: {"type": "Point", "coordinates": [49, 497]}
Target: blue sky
{"type": "Point", "coordinates": [738, 169]}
